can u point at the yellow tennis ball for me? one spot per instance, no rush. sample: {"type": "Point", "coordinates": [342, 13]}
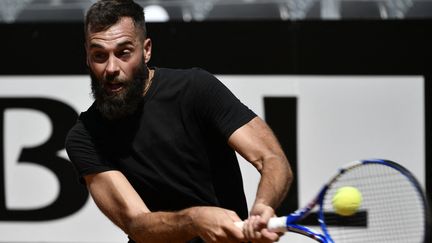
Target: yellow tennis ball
{"type": "Point", "coordinates": [347, 200]}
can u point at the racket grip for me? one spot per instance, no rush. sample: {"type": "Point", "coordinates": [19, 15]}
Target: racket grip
{"type": "Point", "coordinates": [277, 224]}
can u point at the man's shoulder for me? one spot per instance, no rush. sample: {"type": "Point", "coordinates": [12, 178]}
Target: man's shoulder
{"type": "Point", "coordinates": [168, 70]}
{"type": "Point", "coordinates": [182, 73]}
{"type": "Point", "coordinates": [88, 120]}
{"type": "Point", "coordinates": [91, 114]}
{"type": "Point", "coordinates": [189, 80]}
{"type": "Point", "coordinates": [85, 116]}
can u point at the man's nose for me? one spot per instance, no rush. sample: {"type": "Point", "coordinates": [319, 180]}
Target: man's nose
{"type": "Point", "coordinates": [112, 68]}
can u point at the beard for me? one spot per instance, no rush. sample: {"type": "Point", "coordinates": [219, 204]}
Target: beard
{"type": "Point", "coordinates": [120, 104]}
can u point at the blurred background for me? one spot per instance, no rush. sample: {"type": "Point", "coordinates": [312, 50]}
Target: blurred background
{"type": "Point", "coordinates": [15, 11]}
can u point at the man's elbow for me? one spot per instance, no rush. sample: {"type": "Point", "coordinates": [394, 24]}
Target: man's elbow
{"type": "Point", "coordinates": [286, 168]}
{"type": "Point", "coordinates": [131, 224]}
{"type": "Point", "coordinates": [282, 168]}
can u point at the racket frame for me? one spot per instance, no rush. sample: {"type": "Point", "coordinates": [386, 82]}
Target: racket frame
{"type": "Point", "coordinates": [292, 219]}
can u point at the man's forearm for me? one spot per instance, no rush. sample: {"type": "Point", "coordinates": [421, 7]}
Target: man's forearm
{"type": "Point", "coordinates": [211, 224]}
{"type": "Point", "coordinates": [276, 178]}
{"type": "Point", "coordinates": [162, 227]}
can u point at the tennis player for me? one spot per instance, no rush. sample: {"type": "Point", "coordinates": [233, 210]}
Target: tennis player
{"type": "Point", "coordinates": [156, 149]}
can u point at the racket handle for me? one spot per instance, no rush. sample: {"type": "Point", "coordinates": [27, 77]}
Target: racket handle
{"type": "Point", "coordinates": [277, 224]}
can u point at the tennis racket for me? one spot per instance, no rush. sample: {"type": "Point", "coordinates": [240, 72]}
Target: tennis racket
{"type": "Point", "coordinates": [393, 207]}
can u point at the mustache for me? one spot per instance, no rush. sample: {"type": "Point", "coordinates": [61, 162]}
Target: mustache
{"type": "Point", "coordinates": [118, 105]}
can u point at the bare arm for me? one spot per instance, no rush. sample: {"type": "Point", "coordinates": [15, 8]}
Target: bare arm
{"type": "Point", "coordinates": [256, 143]}
{"type": "Point", "coordinates": [118, 200]}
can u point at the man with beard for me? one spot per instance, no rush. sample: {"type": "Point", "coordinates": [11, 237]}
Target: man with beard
{"type": "Point", "coordinates": [157, 147]}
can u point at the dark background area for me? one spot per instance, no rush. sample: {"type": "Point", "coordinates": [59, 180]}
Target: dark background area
{"type": "Point", "coordinates": [248, 47]}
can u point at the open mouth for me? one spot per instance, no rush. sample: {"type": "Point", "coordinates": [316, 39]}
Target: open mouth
{"type": "Point", "coordinates": [114, 87]}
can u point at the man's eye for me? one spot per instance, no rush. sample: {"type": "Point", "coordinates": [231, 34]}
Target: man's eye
{"type": "Point", "coordinates": [99, 57]}
{"type": "Point", "coordinates": [125, 53]}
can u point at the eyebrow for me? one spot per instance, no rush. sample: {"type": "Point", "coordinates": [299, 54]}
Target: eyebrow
{"type": "Point", "coordinates": [121, 44]}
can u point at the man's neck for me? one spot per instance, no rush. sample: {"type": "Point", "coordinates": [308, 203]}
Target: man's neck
{"type": "Point", "coordinates": [149, 80]}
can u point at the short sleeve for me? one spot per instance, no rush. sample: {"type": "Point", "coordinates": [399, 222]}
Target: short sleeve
{"type": "Point", "coordinates": [218, 105]}
{"type": "Point", "coordinates": [82, 152]}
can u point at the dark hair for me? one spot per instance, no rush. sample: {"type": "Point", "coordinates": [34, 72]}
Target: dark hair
{"type": "Point", "coordinates": [106, 13]}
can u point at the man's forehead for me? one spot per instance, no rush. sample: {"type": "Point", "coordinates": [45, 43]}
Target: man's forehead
{"type": "Point", "coordinates": [123, 30]}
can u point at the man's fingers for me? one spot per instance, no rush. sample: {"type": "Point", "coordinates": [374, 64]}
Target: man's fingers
{"type": "Point", "coordinates": [233, 216]}
{"type": "Point", "coordinates": [250, 228]}
{"type": "Point", "coordinates": [270, 235]}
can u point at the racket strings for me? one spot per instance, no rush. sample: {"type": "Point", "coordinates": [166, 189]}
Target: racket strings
{"type": "Point", "coordinates": [393, 206]}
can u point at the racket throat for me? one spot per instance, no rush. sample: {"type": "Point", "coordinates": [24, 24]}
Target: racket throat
{"type": "Point", "coordinates": [307, 232]}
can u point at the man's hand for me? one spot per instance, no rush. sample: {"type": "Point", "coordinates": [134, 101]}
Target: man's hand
{"type": "Point", "coordinates": [214, 224]}
{"type": "Point", "coordinates": [255, 227]}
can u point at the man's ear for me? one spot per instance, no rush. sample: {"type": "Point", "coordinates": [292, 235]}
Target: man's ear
{"type": "Point", "coordinates": [147, 50]}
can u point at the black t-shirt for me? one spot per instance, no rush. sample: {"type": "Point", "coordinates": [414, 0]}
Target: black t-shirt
{"type": "Point", "coordinates": [174, 150]}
